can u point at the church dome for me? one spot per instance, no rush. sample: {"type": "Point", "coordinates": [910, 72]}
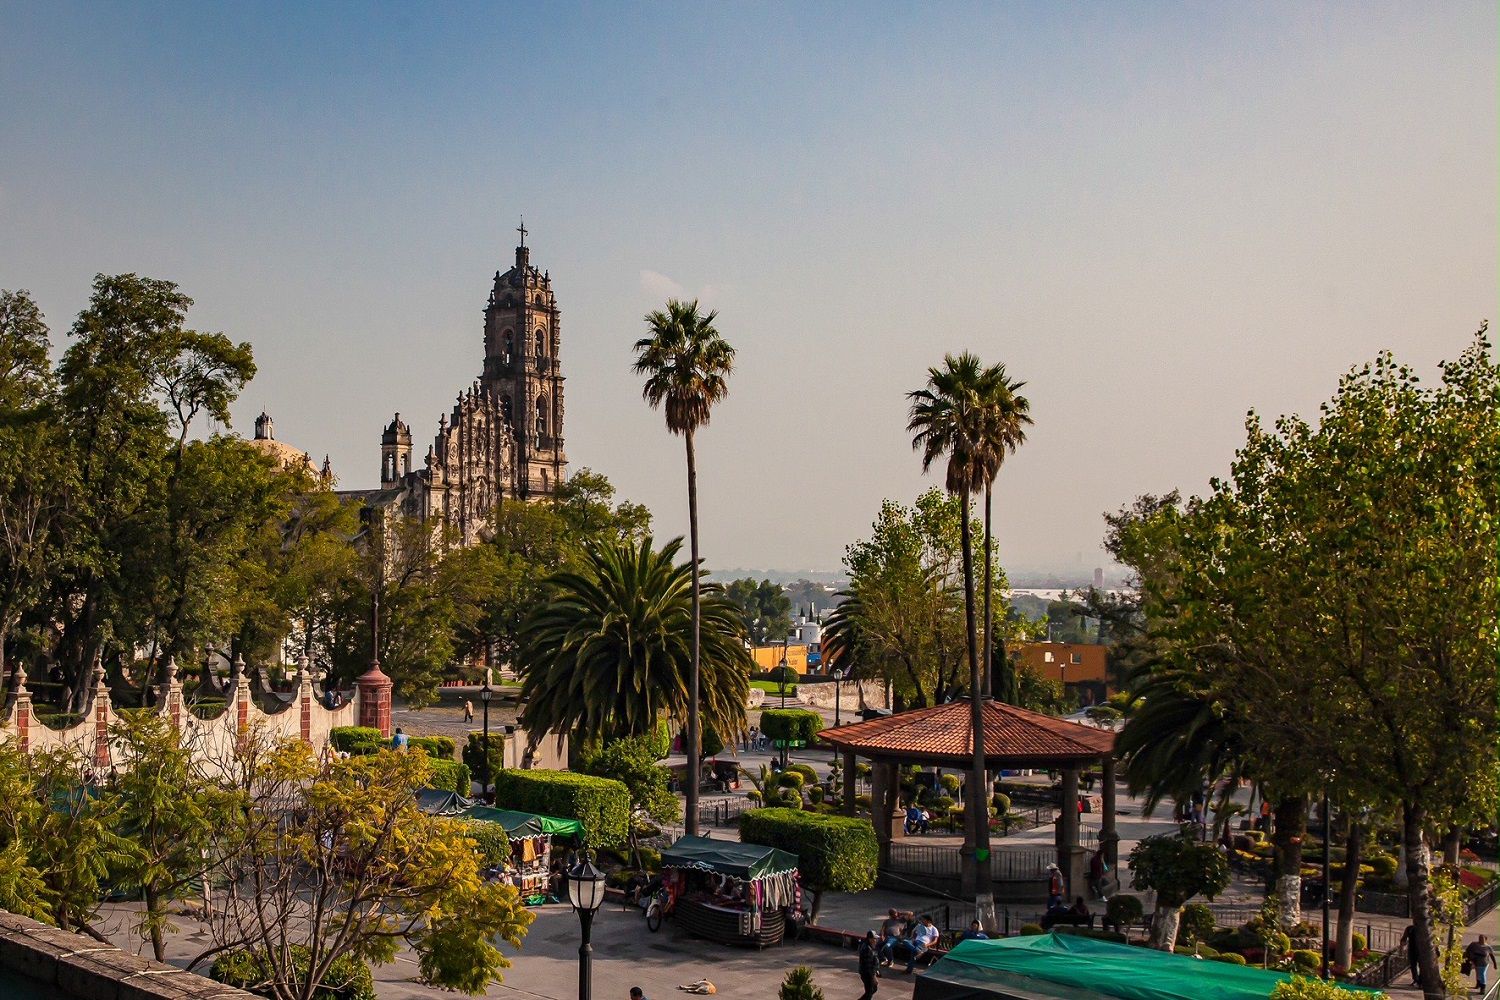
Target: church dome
{"type": "Point", "coordinates": [265, 442]}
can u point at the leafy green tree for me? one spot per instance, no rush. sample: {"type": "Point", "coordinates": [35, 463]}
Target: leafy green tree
{"type": "Point", "coordinates": [166, 811]}
{"type": "Point", "coordinates": [633, 763]}
{"type": "Point", "coordinates": [764, 607]}
{"type": "Point", "coordinates": [362, 872]}
{"type": "Point", "coordinates": [585, 502]}
{"type": "Point", "coordinates": [799, 985]}
{"type": "Point", "coordinates": [1177, 869]}
{"type": "Point", "coordinates": [687, 365]}
{"type": "Point", "coordinates": [610, 652]}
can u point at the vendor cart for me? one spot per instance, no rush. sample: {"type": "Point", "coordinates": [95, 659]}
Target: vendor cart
{"type": "Point", "coordinates": [730, 892]}
{"type": "Point", "coordinates": [531, 839]}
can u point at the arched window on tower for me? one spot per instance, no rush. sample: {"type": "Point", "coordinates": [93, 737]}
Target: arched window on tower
{"type": "Point", "coordinates": [505, 408]}
{"type": "Point", "coordinates": [541, 343]}
{"type": "Point", "coordinates": [509, 350]}
{"type": "Point", "coordinates": [541, 417]}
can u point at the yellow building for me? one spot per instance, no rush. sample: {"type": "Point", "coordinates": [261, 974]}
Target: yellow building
{"type": "Point", "coordinates": [1077, 665]}
{"type": "Point", "coordinates": [769, 657]}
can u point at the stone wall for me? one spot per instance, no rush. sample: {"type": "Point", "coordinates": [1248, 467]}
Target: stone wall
{"type": "Point", "coordinates": [37, 962]}
{"type": "Point", "coordinates": [852, 695]}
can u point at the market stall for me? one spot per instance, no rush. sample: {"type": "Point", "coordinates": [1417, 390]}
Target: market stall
{"type": "Point", "coordinates": [441, 802]}
{"type": "Point", "coordinates": [730, 892]}
{"type": "Point", "coordinates": [531, 839]}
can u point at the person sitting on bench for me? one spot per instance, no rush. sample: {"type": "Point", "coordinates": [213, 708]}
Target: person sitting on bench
{"type": "Point", "coordinates": [924, 936]}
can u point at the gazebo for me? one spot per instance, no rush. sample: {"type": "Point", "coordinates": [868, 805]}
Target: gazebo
{"type": "Point", "coordinates": [1014, 738]}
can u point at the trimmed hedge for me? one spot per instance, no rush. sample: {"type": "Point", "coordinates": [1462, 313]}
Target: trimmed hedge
{"type": "Point", "coordinates": [795, 725]}
{"type": "Point", "coordinates": [834, 852]}
{"type": "Point", "coordinates": [440, 747]}
{"type": "Point", "coordinates": [356, 740]}
{"type": "Point", "coordinates": [348, 977]}
{"type": "Point", "coordinates": [451, 776]}
{"type": "Point", "coordinates": [474, 754]}
{"type": "Point", "coordinates": [492, 841]}
{"type": "Point", "coordinates": [602, 805]}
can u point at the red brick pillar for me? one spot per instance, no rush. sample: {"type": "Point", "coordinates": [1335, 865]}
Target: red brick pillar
{"type": "Point", "coordinates": [23, 711]}
{"type": "Point", "coordinates": [239, 693]}
{"type": "Point", "coordinates": [305, 698]}
{"type": "Point", "coordinates": [375, 699]}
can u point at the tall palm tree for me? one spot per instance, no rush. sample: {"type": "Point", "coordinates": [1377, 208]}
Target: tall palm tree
{"type": "Point", "coordinates": [610, 652]}
{"type": "Point", "coordinates": [687, 366]}
{"type": "Point", "coordinates": [1007, 414]}
{"type": "Point", "coordinates": [947, 419]}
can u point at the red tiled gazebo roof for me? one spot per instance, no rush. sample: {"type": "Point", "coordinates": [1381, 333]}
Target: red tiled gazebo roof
{"type": "Point", "coordinates": [1013, 737]}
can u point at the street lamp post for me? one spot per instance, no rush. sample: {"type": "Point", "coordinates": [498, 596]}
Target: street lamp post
{"type": "Point", "coordinates": [585, 893]}
{"type": "Point", "coordinates": [838, 680]}
{"type": "Point", "coordinates": [484, 700]}
{"type": "Point", "coordinates": [1326, 886]}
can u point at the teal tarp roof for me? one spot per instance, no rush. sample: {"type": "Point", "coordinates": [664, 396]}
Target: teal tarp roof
{"type": "Point", "coordinates": [523, 824]}
{"type": "Point", "coordinates": [728, 857]}
{"type": "Point", "coordinates": [1074, 966]}
{"type": "Point", "coordinates": [441, 802]}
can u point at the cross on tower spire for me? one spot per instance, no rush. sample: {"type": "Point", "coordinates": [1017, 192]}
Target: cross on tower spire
{"type": "Point", "coordinates": [522, 230]}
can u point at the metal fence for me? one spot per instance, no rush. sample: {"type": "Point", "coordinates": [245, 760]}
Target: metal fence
{"type": "Point", "coordinates": [1379, 974]}
{"type": "Point", "coordinates": [1483, 901]}
{"type": "Point", "coordinates": [724, 812]}
{"type": "Point", "coordinates": [1011, 863]}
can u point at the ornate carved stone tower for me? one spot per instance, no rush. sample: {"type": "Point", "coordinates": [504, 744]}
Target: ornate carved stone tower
{"type": "Point", "coordinates": [522, 338]}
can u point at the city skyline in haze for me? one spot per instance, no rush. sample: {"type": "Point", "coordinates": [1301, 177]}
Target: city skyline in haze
{"type": "Point", "coordinates": [1158, 216]}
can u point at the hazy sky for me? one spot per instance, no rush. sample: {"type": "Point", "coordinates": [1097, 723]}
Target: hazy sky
{"type": "Point", "coordinates": [1158, 215]}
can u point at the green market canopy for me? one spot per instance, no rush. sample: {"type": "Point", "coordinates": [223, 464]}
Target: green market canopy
{"type": "Point", "coordinates": [746, 862]}
{"type": "Point", "coordinates": [519, 825]}
{"type": "Point", "coordinates": [1048, 966]}
{"type": "Point", "coordinates": [441, 802]}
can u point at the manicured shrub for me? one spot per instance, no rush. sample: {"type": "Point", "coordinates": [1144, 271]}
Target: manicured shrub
{"type": "Point", "coordinates": [808, 772]}
{"type": "Point", "coordinates": [862, 801]}
{"type": "Point", "coordinates": [1230, 957]}
{"type": "Point", "coordinates": [491, 840]}
{"type": "Point", "coordinates": [754, 796]}
{"type": "Point", "coordinates": [836, 853]}
{"type": "Point", "coordinates": [950, 783]}
{"type": "Point", "coordinates": [815, 793]}
{"type": "Point", "coordinates": [1029, 930]}
{"type": "Point", "coordinates": [1383, 867]}
{"type": "Point", "coordinates": [474, 754]}
{"type": "Point", "coordinates": [1299, 988]}
{"type": "Point", "coordinates": [450, 776]}
{"type": "Point", "coordinates": [602, 805]}
{"type": "Point", "coordinates": [1359, 943]}
{"type": "Point", "coordinates": [789, 779]}
{"type": "Point", "coordinates": [356, 740]}
{"type": "Point", "coordinates": [798, 985]}
{"type": "Point", "coordinates": [1001, 802]}
{"type": "Point", "coordinates": [942, 802]}
{"type": "Point", "coordinates": [1123, 911]}
{"type": "Point", "coordinates": [862, 770]}
{"type": "Point", "coordinates": [348, 977]}
{"type": "Point", "coordinates": [784, 676]}
{"type": "Point", "coordinates": [1197, 924]}
{"type": "Point", "coordinates": [440, 747]}
{"type": "Point", "coordinates": [1305, 959]}
{"type": "Point", "coordinates": [797, 726]}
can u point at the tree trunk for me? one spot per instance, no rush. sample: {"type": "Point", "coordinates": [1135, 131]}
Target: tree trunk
{"type": "Point", "coordinates": [1424, 953]}
{"type": "Point", "coordinates": [991, 684]}
{"type": "Point", "coordinates": [1291, 828]}
{"type": "Point", "coordinates": [977, 812]}
{"type": "Point", "coordinates": [1344, 952]}
{"type": "Point", "coordinates": [154, 914]}
{"type": "Point", "coordinates": [694, 736]}
{"type": "Point", "coordinates": [1164, 923]}
{"type": "Point", "coordinates": [1452, 843]}
{"type": "Point", "coordinates": [817, 906]}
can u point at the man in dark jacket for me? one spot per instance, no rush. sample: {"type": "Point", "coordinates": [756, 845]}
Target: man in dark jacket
{"type": "Point", "coordinates": [869, 964]}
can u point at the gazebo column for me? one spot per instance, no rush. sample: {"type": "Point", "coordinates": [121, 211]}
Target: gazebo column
{"type": "Point", "coordinates": [881, 779]}
{"type": "Point", "coordinates": [851, 783]}
{"type": "Point", "coordinates": [1109, 837]}
{"type": "Point", "coordinates": [1070, 856]}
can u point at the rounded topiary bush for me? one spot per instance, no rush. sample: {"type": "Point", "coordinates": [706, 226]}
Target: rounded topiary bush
{"type": "Point", "coordinates": [815, 793]}
{"type": "Point", "coordinates": [1001, 802]}
{"type": "Point", "coordinates": [951, 783]}
{"type": "Point", "coordinates": [862, 801]}
{"type": "Point", "coordinates": [1359, 942]}
{"type": "Point", "coordinates": [1230, 957]}
{"type": "Point", "coordinates": [790, 779]}
{"type": "Point", "coordinates": [1307, 959]}
{"type": "Point", "coordinates": [1197, 923]}
{"type": "Point", "coordinates": [1031, 929]}
{"type": "Point", "coordinates": [1123, 910]}
{"type": "Point", "coordinates": [809, 775]}
{"type": "Point", "coordinates": [754, 796]}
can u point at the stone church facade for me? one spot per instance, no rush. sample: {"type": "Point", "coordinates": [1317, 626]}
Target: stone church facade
{"type": "Point", "coordinates": [503, 438]}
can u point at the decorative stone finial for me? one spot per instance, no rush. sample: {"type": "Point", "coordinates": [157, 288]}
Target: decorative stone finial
{"type": "Point", "coordinates": [98, 668]}
{"type": "Point", "coordinates": [238, 667]}
{"type": "Point", "coordinates": [171, 669]}
{"type": "Point", "coordinates": [20, 678]}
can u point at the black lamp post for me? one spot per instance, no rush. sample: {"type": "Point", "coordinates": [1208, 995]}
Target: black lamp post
{"type": "Point", "coordinates": [484, 700]}
{"type": "Point", "coordinates": [585, 893]}
{"type": "Point", "coordinates": [838, 680]}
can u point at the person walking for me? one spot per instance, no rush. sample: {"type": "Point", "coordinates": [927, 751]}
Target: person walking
{"type": "Point", "coordinates": [869, 965]}
{"type": "Point", "coordinates": [1408, 939]}
{"type": "Point", "coordinates": [1481, 956]}
{"type": "Point", "coordinates": [468, 710]}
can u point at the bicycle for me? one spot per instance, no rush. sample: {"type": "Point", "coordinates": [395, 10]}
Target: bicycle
{"type": "Point", "coordinates": [658, 910]}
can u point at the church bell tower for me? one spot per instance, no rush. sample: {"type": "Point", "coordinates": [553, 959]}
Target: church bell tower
{"type": "Point", "coordinates": [522, 340]}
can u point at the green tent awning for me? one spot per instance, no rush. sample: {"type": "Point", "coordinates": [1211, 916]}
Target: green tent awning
{"type": "Point", "coordinates": [441, 802]}
{"type": "Point", "coordinates": [1045, 966]}
{"type": "Point", "coordinates": [727, 857]}
{"type": "Point", "coordinates": [524, 824]}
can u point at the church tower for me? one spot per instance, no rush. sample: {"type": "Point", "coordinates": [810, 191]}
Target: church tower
{"type": "Point", "coordinates": [395, 453]}
{"type": "Point", "coordinates": [522, 337]}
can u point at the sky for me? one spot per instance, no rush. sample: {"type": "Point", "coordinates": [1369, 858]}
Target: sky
{"type": "Point", "coordinates": [1160, 216]}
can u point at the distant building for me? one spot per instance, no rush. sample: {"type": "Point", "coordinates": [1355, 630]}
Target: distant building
{"type": "Point", "coordinates": [284, 454]}
{"type": "Point", "coordinates": [1080, 667]}
{"type": "Point", "coordinates": [1098, 577]}
{"type": "Point", "coordinates": [768, 657]}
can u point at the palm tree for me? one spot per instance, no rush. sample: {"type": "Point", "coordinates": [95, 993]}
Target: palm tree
{"type": "Point", "coordinates": [947, 418]}
{"type": "Point", "coordinates": [1007, 414]}
{"type": "Point", "coordinates": [610, 652]}
{"type": "Point", "coordinates": [687, 367]}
